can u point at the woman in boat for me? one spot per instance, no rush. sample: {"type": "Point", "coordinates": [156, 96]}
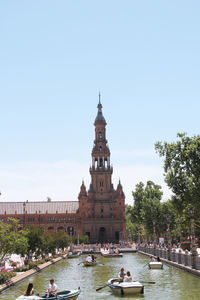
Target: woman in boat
{"type": "Point", "coordinates": [128, 277]}
{"type": "Point", "coordinates": [121, 275]}
{"type": "Point", "coordinates": [29, 291]}
{"type": "Point", "coordinates": [93, 258]}
{"type": "Point", "coordinates": [158, 258]}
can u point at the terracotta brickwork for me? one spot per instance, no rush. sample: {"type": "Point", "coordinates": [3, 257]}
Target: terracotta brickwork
{"type": "Point", "coordinates": [99, 211]}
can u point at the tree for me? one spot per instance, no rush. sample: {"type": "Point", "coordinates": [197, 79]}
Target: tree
{"type": "Point", "coordinates": [147, 206]}
{"type": "Point", "coordinates": [36, 240]}
{"type": "Point", "coordinates": [12, 239]}
{"type": "Point", "coordinates": [182, 169]}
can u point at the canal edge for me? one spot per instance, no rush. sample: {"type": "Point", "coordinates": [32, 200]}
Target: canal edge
{"type": "Point", "coordinates": [174, 264]}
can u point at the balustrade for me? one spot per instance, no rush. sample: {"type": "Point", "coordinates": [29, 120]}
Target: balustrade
{"type": "Point", "coordinates": [178, 256]}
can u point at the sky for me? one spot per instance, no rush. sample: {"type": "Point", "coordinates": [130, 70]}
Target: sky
{"type": "Point", "coordinates": [55, 57]}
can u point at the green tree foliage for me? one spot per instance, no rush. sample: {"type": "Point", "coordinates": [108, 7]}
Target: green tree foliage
{"type": "Point", "coordinates": [182, 169]}
{"type": "Point", "coordinates": [36, 240]}
{"type": "Point", "coordinates": [82, 239]}
{"type": "Point", "coordinates": [41, 242]}
{"type": "Point", "coordinates": [130, 226]}
{"type": "Point", "coordinates": [12, 239]}
{"type": "Point", "coordinates": [147, 206]}
{"type": "Point", "coordinates": [182, 175]}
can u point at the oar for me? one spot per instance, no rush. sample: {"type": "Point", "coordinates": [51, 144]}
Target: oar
{"type": "Point", "coordinates": [150, 282]}
{"type": "Point", "coordinates": [145, 265]}
{"type": "Point", "coordinates": [80, 263]}
{"type": "Point", "coordinates": [103, 287]}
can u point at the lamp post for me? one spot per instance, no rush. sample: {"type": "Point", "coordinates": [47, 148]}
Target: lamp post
{"type": "Point", "coordinates": [139, 235]}
{"type": "Point", "coordinates": [193, 245]}
{"type": "Point", "coordinates": [154, 237]}
{"type": "Point", "coordinates": [169, 240]}
{"type": "Point", "coordinates": [145, 234]}
{"type": "Point", "coordinates": [24, 213]}
{"type": "Point", "coordinates": [39, 217]}
{"type": "Point", "coordinates": [78, 238]}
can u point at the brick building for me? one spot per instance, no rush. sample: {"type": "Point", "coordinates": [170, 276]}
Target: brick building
{"type": "Point", "coordinates": [99, 211]}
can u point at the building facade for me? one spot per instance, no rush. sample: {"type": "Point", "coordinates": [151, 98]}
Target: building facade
{"type": "Point", "coordinates": [99, 211]}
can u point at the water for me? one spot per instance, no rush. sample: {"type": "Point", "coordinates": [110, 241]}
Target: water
{"type": "Point", "coordinates": [171, 283]}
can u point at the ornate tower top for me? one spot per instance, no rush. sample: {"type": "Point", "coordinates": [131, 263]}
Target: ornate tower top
{"type": "Point", "coordinates": [99, 118]}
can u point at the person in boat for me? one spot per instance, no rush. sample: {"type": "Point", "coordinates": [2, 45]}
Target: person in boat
{"type": "Point", "coordinates": [128, 277]}
{"type": "Point", "coordinates": [29, 291]}
{"type": "Point", "coordinates": [93, 258]}
{"type": "Point", "coordinates": [52, 290]}
{"type": "Point", "coordinates": [158, 258]}
{"type": "Point", "coordinates": [121, 275]}
{"type": "Point", "coordinates": [89, 258]}
{"type": "Point", "coordinates": [152, 258]}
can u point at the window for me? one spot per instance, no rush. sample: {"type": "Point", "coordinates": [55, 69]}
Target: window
{"type": "Point", "coordinates": [100, 135]}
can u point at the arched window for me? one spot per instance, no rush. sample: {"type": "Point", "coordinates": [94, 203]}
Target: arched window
{"type": "Point", "coordinates": [101, 162]}
{"type": "Point", "coordinates": [100, 135]}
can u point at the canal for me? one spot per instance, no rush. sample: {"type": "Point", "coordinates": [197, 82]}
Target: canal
{"type": "Point", "coordinates": [171, 283]}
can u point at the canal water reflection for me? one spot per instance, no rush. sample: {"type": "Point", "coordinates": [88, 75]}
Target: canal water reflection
{"type": "Point", "coordinates": [170, 284]}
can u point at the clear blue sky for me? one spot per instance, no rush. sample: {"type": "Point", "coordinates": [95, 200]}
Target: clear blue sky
{"type": "Point", "coordinates": [55, 56]}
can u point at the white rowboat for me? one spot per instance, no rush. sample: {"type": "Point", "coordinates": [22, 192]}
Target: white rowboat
{"type": "Point", "coordinates": [74, 254]}
{"type": "Point", "coordinates": [125, 288]}
{"type": "Point", "coordinates": [155, 265]}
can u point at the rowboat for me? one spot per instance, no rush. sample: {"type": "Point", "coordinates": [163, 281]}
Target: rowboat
{"type": "Point", "coordinates": [70, 295]}
{"type": "Point", "coordinates": [90, 263]}
{"type": "Point", "coordinates": [155, 265]}
{"type": "Point", "coordinates": [106, 253]}
{"type": "Point", "coordinates": [74, 254]}
{"type": "Point", "coordinates": [125, 288]}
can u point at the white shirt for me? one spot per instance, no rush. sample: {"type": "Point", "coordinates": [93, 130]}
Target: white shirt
{"type": "Point", "coordinates": [52, 287]}
{"type": "Point", "coordinates": [89, 259]}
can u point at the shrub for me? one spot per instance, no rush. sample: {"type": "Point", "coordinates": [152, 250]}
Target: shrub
{"type": "Point", "coordinates": [6, 276]}
{"type": "Point", "coordinates": [32, 264]}
{"type": "Point", "coordinates": [47, 259]}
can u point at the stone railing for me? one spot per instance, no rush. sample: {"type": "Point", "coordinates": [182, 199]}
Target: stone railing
{"type": "Point", "coordinates": [185, 258]}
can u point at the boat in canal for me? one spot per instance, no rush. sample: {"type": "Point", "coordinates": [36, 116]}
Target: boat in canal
{"type": "Point", "coordinates": [90, 263]}
{"type": "Point", "coordinates": [74, 254]}
{"type": "Point", "coordinates": [70, 295]}
{"type": "Point", "coordinates": [107, 253]}
{"type": "Point", "coordinates": [125, 288]}
{"type": "Point", "coordinates": [155, 265]}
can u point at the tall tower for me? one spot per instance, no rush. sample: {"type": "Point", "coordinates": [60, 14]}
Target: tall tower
{"type": "Point", "coordinates": [102, 208]}
{"type": "Point", "coordinates": [101, 171]}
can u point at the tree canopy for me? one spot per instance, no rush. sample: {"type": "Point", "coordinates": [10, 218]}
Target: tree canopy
{"type": "Point", "coordinates": [12, 240]}
{"type": "Point", "coordinates": [182, 169]}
